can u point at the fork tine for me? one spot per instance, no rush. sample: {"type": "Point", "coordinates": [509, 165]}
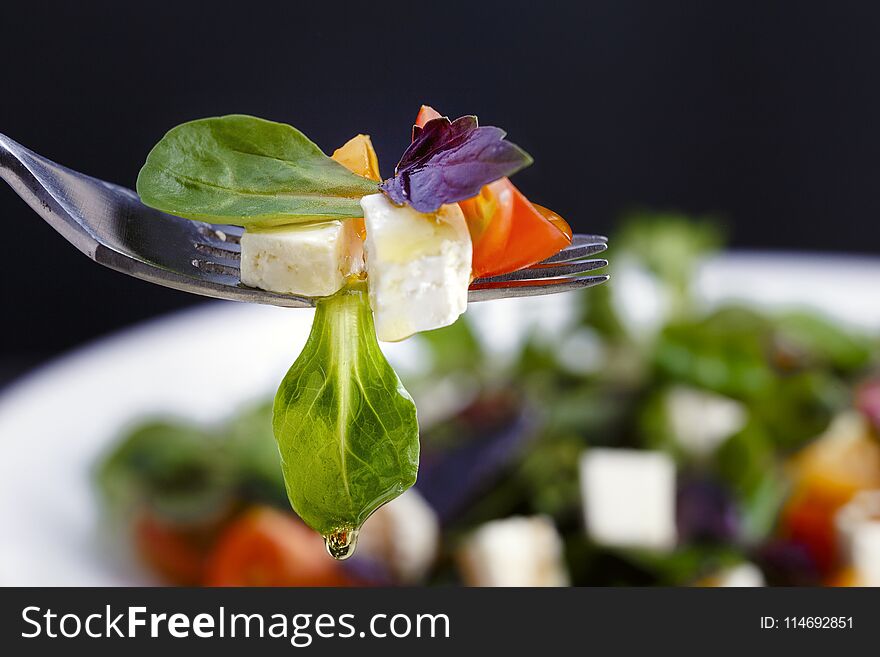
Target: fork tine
{"type": "Point", "coordinates": [491, 291]}
{"type": "Point", "coordinates": [219, 256]}
{"type": "Point", "coordinates": [217, 252]}
{"type": "Point", "coordinates": [583, 238]}
{"type": "Point", "coordinates": [545, 271]}
{"type": "Point", "coordinates": [217, 268]}
{"type": "Point", "coordinates": [582, 246]}
{"type": "Point", "coordinates": [227, 237]}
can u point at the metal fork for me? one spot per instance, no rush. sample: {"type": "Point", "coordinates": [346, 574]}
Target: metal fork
{"type": "Point", "coordinates": [110, 225]}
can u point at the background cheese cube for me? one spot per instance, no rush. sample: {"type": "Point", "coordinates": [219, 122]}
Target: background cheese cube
{"type": "Point", "coordinates": [866, 553]}
{"type": "Point", "coordinates": [517, 551]}
{"type": "Point", "coordinates": [404, 534]}
{"type": "Point", "coordinates": [629, 498]}
{"type": "Point", "coordinates": [858, 526]}
{"type": "Point", "coordinates": [418, 266]}
{"type": "Point", "coordinates": [312, 260]}
{"type": "Point", "coordinates": [743, 575]}
{"type": "Point", "coordinates": [701, 421]}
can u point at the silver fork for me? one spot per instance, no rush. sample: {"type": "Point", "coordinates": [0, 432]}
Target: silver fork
{"type": "Point", "coordinates": [110, 225]}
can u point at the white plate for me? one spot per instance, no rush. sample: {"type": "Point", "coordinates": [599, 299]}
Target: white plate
{"type": "Point", "coordinates": [205, 363]}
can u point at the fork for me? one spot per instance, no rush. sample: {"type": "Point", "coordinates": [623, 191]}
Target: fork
{"type": "Point", "coordinates": [110, 225]}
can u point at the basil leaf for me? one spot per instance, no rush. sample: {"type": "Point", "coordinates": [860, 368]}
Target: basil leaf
{"type": "Point", "coordinates": [249, 172]}
{"type": "Point", "coordinates": [346, 427]}
{"type": "Point", "coordinates": [450, 161]}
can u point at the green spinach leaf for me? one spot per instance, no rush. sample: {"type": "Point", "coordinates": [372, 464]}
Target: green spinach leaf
{"type": "Point", "coordinates": [250, 172]}
{"type": "Point", "coordinates": [346, 427]}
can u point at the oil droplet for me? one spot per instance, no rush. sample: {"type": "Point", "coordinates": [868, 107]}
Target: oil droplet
{"type": "Point", "coordinates": [341, 543]}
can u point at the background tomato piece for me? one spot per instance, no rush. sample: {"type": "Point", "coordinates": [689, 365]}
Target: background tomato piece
{"type": "Point", "coordinates": [808, 519]}
{"type": "Point", "coordinates": [178, 554]}
{"type": "Point", "coordinates": [266, 547]}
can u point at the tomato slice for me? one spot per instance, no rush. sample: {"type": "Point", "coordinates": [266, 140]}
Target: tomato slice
{"type": "Point", "coordinates": [555, 219]}
{"type": "Point", "coordinates": [176, 553]}
{"type": "Point", "coordinates": [507, 230]}
{"type": "Point", "coordinates": [516, 235]}
{"type": "Point", "coordinates": [489, 218]}
{"type": "Point", "coordinates": [808, 519]}
{"type": "Point", "coordinates": [266, 547]}
{"type": "Point", "coordinates": [533, 237]}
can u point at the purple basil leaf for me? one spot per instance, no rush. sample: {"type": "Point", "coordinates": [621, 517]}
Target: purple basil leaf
{"type": "Point", "coordinates": [450, 161]}
{"type": "Point", "coordinates": [451, 479]}
{"type": "Point", "coordinates": [436, 134]}
{"type": "Point", "coordinates": [787, 563]}
{"type": "Point", "coordinates": [705, 511]}
{"type": "Point", "coordinates": [368, 570]}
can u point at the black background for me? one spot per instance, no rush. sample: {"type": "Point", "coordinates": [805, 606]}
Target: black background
{"type": "Point", "coordinates": [763, 114]}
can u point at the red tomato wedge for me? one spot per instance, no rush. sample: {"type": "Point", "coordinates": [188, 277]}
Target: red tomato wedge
{"type": "Point", "coordinates": [555, 219]}
{"type": "Point", "coordinates": [265, 547]}
{"type": "Point", "coordinates": [489, 218]}
{"type": "Point", "coordinates": [507, 230]}
{"type": "Point", "coordinates": [808, 519]}
{"type": "Point", "coordinates": [532, 236]}
{"type": "Point", "coordinates": [175, 553]}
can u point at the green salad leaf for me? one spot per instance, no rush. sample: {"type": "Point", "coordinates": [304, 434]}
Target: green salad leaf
{"type": "Point", "coordinates": [249, 172]}
{"type": "Point", "coordinates": [179, 471]}
{"type": "Point", "coordinates": [252, 448]}
{"type": "Point", "coordinates": [346, 427]}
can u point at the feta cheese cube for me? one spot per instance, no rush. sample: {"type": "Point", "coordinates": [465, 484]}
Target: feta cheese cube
{"type": "Point", "coordinates": [312, 260]}
{"type": "Point", "coordinates": [418, 266]}
{"type": "Point", "coordinates": [866, 553]}
{"type": "Point", "coordinates": [744, 575]}
{"type": "Point", "coordinates": [858, 527]}
{"type": "Point", "coordinates": [517, 551]}
{"type": "Point", "coordinates": [629, 497]}
{"type": "Point", "coordinates": [701, 421]}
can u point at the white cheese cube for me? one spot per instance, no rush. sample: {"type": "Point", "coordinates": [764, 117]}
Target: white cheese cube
{"type": "Point", "coordinates": [418, 266]}
{"type": "Point", "coordinates": [701, 421]}
{"type": "Point", "coordinates": [629, 498]}
{"type": "Point", "coordinates": [744, 575]}
{"type": "Point", "coordinates": [516, 551]}
{"type": "Point", "coordinates": [866, 553]}
{"type": "Point", "coordinates": [405, 535]}
{"type": "Point", "coordinates": [312, 260]}
{"type": "Point", "coordinates": [639, 298]}
{"type": "Point", "coordinates": [858, 526]}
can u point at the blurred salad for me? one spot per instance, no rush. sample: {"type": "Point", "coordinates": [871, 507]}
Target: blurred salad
{"type": "Point", "coordinates": [651, 443]}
